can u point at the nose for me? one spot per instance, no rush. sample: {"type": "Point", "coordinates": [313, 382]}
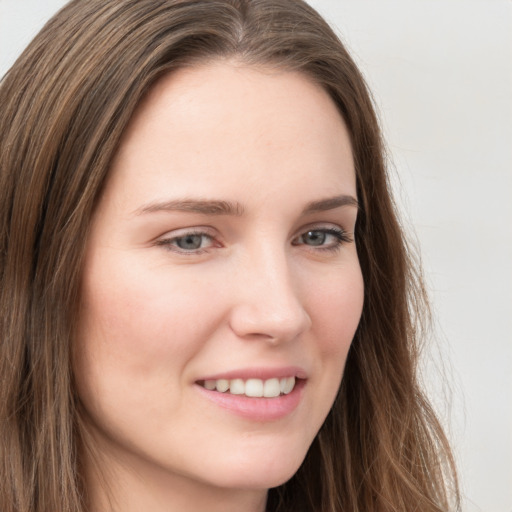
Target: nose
{"type": "Point", "coordinates": [267, 301]}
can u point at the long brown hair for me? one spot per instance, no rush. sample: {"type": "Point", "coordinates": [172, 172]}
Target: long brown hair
{"type": "Point", "coordinates": [64, 106]}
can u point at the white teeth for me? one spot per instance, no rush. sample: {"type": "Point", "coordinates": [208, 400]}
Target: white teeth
{"type": "Point", "coordinates": [210, 384]}
{"type": "Point", "coordinates": [237, 387]}
{"type": "Point", "coordinates": [269, 388]}
{"type": "Point", "coordinates": [222, 385]}
{"type": "Point", "coordinates": [287, 385]}
{"type": "Point", "coordinates": [254, 387]}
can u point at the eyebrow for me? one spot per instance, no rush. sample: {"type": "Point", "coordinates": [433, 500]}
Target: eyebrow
{"type": "Point", "coordinates": [218, 207]}
{"type": "Point", "coordinates": [331, 203]}
{"type": "Point", "coordinates": [205, 207]}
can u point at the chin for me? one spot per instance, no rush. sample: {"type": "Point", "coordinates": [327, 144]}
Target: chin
{"type": "Point", "coordinates": [259, 480]}
{"type": "Point", "coordinates": [262, 473]}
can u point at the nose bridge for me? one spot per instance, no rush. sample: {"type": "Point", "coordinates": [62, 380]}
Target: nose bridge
{"type": "Point", "coordinates": [269, 303]}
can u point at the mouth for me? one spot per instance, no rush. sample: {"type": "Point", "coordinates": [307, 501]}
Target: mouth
{"type": "Point", "coordinates": [253, 388]}
{"type": "Point", "coordinates": [256, 394]}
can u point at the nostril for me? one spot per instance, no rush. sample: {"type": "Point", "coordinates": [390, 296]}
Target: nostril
{"type": "Point", "coordinates": [273, 326]}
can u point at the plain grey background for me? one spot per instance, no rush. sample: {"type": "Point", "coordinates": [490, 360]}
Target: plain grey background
{"type": "Point", "coordinates": [441, 74]}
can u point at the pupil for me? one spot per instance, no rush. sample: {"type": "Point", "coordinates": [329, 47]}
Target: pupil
{"type": "Point", "coordinates": [189, 242]}
{"type": "Point", "coordinates": [315, 237]}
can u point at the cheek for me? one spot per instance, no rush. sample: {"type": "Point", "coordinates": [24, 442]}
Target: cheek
{"type": "Point", "coordinates": [126, 339]}
{"type": "Point", "coordinates": [137, 332]}
{"type": "Point", "coordinates": [140, 314]}
{"type": "Point", "coordinates": [337, 309]}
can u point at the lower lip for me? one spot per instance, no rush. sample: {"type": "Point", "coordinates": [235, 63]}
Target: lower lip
{"type": "Point", "coordinates": [257, 409]}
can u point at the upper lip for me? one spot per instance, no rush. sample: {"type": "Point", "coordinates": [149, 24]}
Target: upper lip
{"type": "Point", "coordinates": [263, 373]}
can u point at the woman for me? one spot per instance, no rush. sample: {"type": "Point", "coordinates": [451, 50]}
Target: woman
{"type": "Point", "coordinates": [207, 300]}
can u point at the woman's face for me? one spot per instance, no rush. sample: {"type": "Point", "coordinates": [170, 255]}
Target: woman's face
{"type": "Point", "coordinates": [221, 253]}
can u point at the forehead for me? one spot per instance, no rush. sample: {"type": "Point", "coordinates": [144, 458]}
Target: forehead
{"type": "Point", "coordinates": [225, 118]}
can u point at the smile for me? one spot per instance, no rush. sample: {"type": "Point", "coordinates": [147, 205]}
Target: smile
{"type": "Point", "coordinates": [256, 388]}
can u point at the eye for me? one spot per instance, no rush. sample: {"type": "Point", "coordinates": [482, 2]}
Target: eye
{"type": "Point", "coordinates": [188, 243]}
{"type": "Point", "coordinates": [323, 238]}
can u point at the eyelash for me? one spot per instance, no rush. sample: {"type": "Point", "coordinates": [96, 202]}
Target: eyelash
{"type": "Point", "coordinates": [169, 243]}
{"type": "Point", "coordinates": [340, 235]}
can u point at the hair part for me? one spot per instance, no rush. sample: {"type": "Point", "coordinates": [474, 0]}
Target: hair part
{"type": "Point", "coordinates": [65, 105]}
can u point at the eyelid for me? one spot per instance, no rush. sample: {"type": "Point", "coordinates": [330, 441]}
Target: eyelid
{"type": "Point", "coordinates": [342, 235]}
{"type": "Point", "coordinates": [170, 237]}
{"type": "Point", "coordinates": [324, 226]}
{"type": "Point", "coordinates": [192, 230]}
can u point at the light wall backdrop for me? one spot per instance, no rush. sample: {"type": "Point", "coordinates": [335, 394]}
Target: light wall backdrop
{"type": "Point", "coordinates": [441, 74]}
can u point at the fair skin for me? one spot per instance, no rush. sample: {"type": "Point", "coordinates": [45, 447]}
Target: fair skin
{"type": "Point", "coordinates": [222, 249]}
